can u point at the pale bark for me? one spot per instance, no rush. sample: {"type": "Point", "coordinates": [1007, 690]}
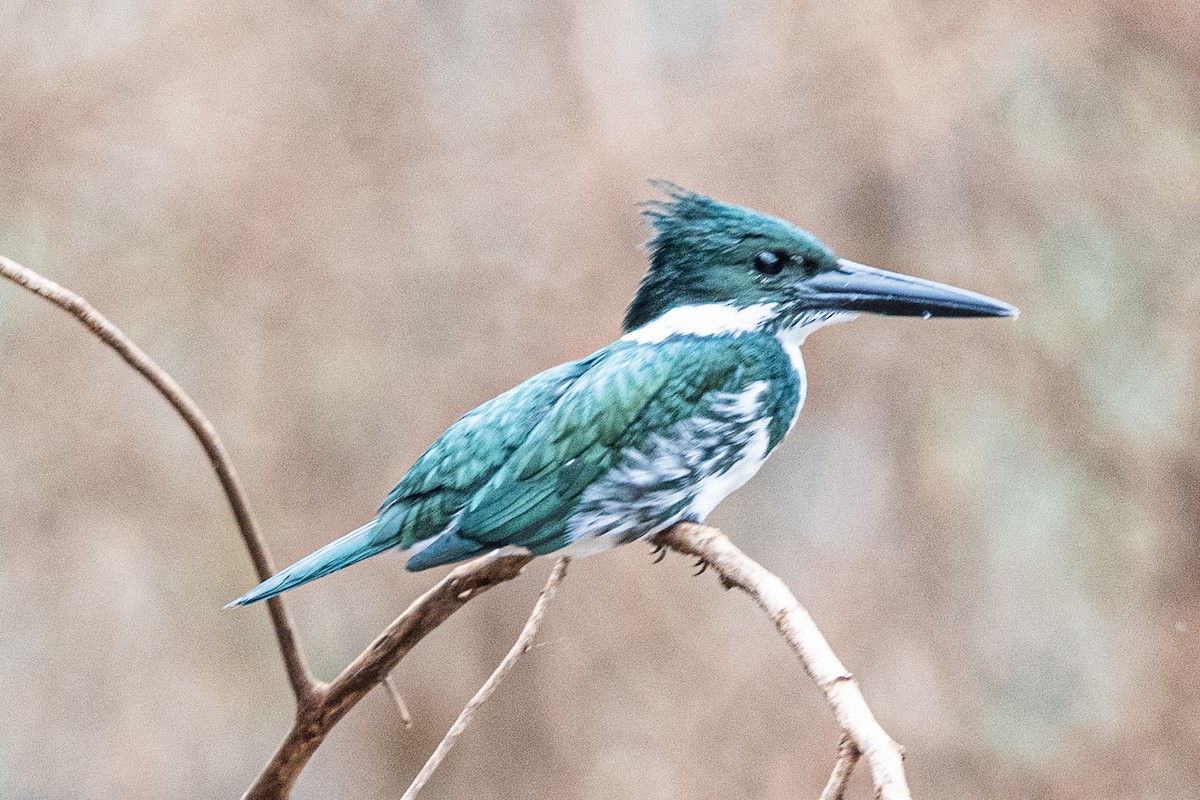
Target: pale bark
{"type": "Point", "coordinates": [843, 767]}
{"type": "Point", "coordinates": [793, 622]}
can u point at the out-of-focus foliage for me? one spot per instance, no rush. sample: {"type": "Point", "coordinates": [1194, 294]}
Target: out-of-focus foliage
{"type": "Point", "coordinates": [342, 224]}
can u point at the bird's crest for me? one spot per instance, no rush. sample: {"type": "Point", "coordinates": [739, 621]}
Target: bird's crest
{"type": "Point", "coordinates": [685, 215]}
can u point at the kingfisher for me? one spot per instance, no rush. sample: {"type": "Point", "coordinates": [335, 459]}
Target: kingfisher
{"type": "Point", "coordinates": [656, 428]}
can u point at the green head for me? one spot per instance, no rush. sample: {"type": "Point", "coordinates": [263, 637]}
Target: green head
{"type": "Point", "coordinates": [705, 252]}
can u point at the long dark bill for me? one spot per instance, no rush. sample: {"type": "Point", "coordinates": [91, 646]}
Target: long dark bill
{"type": "Point", "coordinates": [857, 287]}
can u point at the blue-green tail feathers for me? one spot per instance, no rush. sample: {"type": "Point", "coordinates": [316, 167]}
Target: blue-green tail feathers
{"type": "Point", "coordinates": [356, 545]}
{"type": "Point", "coordinates": [371, 539]}
{"type": "Point", "coordinates": [446, 548]}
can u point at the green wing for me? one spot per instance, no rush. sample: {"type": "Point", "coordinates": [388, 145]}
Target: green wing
{"type": "Point", "coordinates": [626, 395]}
{"type": "Point", "coordinates": [438, 486]}
{"type": "Point", "coordinates": [463, 458]}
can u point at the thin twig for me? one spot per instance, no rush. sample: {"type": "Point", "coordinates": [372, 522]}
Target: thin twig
{"type": "Point", "coordinates": [847, 757]}
{"type": "Point", "coordinates": [794, 623]}
{"type": "Point", "coordinates": [519, 648]}
{"type": "Point", "coordinates": [285, 631]}
{"type": "Point", "coordinates": [389, 683]}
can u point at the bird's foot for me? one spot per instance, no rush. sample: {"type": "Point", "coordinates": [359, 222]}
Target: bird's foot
{"type": "Point", "coordinates": [726, 582]}
{"type": "Point", "coordinates": [659, 550]}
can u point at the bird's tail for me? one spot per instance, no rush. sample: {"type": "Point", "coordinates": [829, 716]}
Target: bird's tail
{"type": "Point", "coordinates": [350, 549]}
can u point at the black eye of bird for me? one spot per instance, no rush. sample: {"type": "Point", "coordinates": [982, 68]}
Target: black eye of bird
{"type": "Point", "coordinates": [771, 262]}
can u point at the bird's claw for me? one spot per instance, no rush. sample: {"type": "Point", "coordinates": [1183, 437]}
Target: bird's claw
{"type": "Point", "coordinates": [703, 565]}
{"type": "Point", "coordinates": [660, 551]}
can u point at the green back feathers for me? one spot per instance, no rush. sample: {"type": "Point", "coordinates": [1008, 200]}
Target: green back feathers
{"type": "Point", "coordinates": [516, 477]}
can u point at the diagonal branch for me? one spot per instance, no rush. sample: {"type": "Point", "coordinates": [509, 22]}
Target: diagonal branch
{"type": "Point", "coordinates": [794, 623]}
{"type": "Point", "coordinates": [289, 645]}
{"type": "Point", "coordinates": [326, 706]}
{"type": "Point", "coordinates": [519, 648]}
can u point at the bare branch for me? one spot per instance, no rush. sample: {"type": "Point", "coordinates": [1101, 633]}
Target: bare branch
{"type": "Point", "coordinates": [735, 568]}
{"type": "Point", "coordinates": [326, 707]}
{"type": "Point", "coordinates": [847, 757]}
{"type": "Point", "coordinates": [285, 631]}
{"type": "Point", "coordinates": [519, 648]}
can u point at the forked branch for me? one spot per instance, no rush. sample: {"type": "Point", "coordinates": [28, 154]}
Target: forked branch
{"type": "Point", "coordinates": [316, 716]}
{"type": "Point", "coordinates": [320, 706]}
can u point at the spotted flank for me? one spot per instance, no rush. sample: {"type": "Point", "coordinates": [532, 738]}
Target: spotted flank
{"type": "Point", "coordinates": [680, 474]}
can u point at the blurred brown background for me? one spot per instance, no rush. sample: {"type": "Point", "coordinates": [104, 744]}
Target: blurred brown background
{"type": "Point", "coordinates": [342, 224]}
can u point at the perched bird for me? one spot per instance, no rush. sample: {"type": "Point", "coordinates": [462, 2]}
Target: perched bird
{"type": "Point", "coordinates": [656, 428]}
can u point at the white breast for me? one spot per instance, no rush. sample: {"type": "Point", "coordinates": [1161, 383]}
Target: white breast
{"type": "Point", "coordinates": [791, 345]}
{"type": "Point", "coordinates": [715, 488]}
{"type": "Point", "coordinates": [791, 339]}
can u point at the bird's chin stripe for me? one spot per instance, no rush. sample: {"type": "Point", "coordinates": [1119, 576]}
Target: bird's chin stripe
{"type": "Point", "coordinates": [705, 319]}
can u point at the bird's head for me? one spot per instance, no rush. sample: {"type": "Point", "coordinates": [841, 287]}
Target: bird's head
{"type": "Point", "coordinates": [704, 251]}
